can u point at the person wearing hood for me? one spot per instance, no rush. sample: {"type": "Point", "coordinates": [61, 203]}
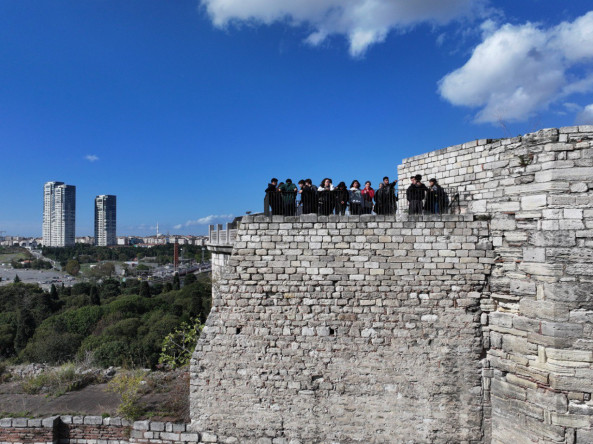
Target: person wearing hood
{"type": "Point", "coordinates": [341, 197]}
{"type": "Point", "coordinates": [325, 194]}
{"type": "Point", "coordinates": [355, 198]}
{"type": "Point", "coordinates": [289, 192]}
{"type": "Point", "coordinates": [274, 197]}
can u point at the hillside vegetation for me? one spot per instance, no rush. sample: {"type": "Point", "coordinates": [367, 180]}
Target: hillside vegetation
{"type": "Point", "coordinates": [111, 323]}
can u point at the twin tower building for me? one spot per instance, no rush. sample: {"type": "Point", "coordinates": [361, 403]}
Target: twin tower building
{"type": "Point", "coordinates": [59, 216]}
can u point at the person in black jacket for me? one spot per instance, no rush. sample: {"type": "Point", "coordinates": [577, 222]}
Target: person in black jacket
{"type": "Point", "coordinates": [325, 195]}
{"type": "Point", "coordinates": [385, 198]}
{"type": "Point", "coordinates": [309, 197]}
{"type": "Point", "coordinates": [415, 194]}
{"type": "Point", "coordinates": [437, 200]}
{"type": "Point", "coordinates": [274, 197]}
{"type": "Point", "coordinates": [341, 197]}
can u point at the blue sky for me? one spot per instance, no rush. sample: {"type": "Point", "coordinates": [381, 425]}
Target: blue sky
{"type": "Point", "coordinates": [185, 108]}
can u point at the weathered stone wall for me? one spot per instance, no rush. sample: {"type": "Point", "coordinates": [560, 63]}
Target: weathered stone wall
{"type": "Point", "coordinates": [346, 329]}
{"type": "Point", "coordinates": [538, 191]}
{"type": "Point", "coordinates": [69, 429]}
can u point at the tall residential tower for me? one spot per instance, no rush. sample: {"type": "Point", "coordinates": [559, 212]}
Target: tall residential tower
{"type": "Point", "coordinates": [105, 220]}
{"type": "Point", "coordinates": [59, 214]}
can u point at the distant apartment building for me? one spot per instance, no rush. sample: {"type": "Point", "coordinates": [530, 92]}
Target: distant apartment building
{"type": "Point", "coordinates": [105, 220]}
{"type": "Point", "coordinates": [59, 214]}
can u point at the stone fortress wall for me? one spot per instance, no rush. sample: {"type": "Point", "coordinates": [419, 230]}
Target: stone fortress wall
{"type": "Point", "coordinates": [538, 317]}
{"type": "Point", "coordinates": [346, 329]}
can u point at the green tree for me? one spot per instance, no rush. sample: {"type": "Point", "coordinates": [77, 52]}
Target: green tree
{"type": "Point", "coordinates": [190, 278]}
{"type": "Point", "coordinates": [176, 282]}
{"type": "Point", "coordinates": [94, 296]}
{"type": "Point", "coordinates": [17, 279]}
{"type": "Point", "coordinates": [25, 327]}
{"type": "Point", "coordinates": [53, 293]}
{"type": "Point", "coordinates": [72, 267]}
{"type": "Point", "coordinates": [145, 290]}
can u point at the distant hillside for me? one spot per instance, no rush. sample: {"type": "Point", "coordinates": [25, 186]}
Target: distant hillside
{"type": "Point", "coordinates": [117, 323]}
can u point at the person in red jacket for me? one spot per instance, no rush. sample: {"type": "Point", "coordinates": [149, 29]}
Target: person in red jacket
{"type": "Point", "coordinates": [368, 194]}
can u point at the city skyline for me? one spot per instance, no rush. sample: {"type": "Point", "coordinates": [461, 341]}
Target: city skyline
{"type": "Point", "coordinates": [186, 109]}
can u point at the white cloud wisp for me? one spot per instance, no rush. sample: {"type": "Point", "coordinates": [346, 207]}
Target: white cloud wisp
{"type": "Point", "coordinates": [205, 220]}
{"type": "Point", "coordinates": [519, 70]}
{"type": "Point", "coordinates": [363, 22]}
{"type": "Point", "coordinates": [91, 157]}
{"type": "Point", "coordinates": [585, 117]}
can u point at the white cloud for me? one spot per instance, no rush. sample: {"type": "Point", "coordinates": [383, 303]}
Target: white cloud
{"type": "Point", "coordinates": [519, 70]}
{"type": "Point", "coordinates": [205, 220]}
{"type": "Point", "coordinates": [363, 22]}
{"type": "Point", "coordinates": [585, 117]}
{"type": "Point", "coordinates": [91, 157]}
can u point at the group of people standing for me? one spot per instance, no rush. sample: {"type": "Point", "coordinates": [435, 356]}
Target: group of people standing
{"type": "Point", "coordinates": [326, 199]}
{"type": "Point", "coordinates": [422, 199]}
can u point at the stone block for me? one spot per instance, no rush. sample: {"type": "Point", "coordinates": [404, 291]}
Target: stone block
{"type": "Point", "coordinates": [579, 174]}
{"type": "Point", "coordinates": [534, 254]}
{"type": "Point", "coordinates": [549, 310]}
{"type": "Point", "coordinates": [574, 421]}
{"type": "Point", "coordinates": [533, 202]}
{"type": "Point", "coordinates": [570, 355]}
{"type": "Point", "coordinates": [141, 425]}
{"type": "Point", "coordinates": [93, 420]}
{"type": "Point", "coordinates": [157, 426]}
{"type": "Point", "coordinates": [568, 292]}
{"type": "Point", "coordinates": [502, 389]}
{"type": "Point", "coordinates": [208, 437]}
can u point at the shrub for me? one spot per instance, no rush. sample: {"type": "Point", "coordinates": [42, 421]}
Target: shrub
{"type": "Point", "coordinates": [128, 386]}
{"type": "Point", "coordinates": [51, 346]}
{"type": "Point", "coordinates": [58, 381]}
{"type": "Point", "coordinates": [179, 345]}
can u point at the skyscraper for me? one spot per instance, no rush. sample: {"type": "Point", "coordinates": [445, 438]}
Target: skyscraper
{"type": "Point", "coordinates": [59, 214]}
{"type": "Point", "coordinates": [105, 220]}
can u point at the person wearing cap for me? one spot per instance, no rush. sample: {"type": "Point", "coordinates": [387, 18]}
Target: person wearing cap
{"type": "Point", "coordinates": [289, 191]}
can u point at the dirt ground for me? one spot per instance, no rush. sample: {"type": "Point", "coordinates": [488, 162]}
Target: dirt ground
{"type": "Point", "coordinates": [165, 397]}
